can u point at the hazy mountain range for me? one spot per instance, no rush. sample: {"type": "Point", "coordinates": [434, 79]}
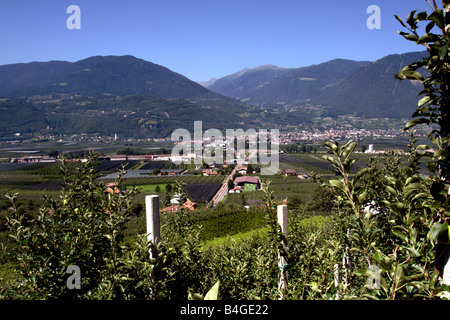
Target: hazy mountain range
{"type": "Point", "coordinates": [342, 86]}
{"type": "Point", "coordinates": [107, 94]}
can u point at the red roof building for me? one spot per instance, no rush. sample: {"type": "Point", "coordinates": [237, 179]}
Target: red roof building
{"type": "Point", "coordinates": [172, 208]}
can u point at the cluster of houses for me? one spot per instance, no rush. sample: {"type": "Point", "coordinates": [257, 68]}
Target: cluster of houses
{"type": "Point", "coordinates": [176, 204]}
{"type": "Point", "coordinates": [213, 170]}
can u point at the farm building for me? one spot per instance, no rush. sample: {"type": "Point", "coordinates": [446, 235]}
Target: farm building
{"type": "Point", "coordinates": [37, 159]}
{"type": "Point", "coordinates": [247, 182]}
{"type": "Point", "coordinates": [161, 157]}
{"type": "Point", "coordinates": [172, 172]}
{"type": "Point", "coordinates": [235, 190]}
{"type": "Point", "coordinates": [289, 172]}
{"type": "Point", "coordinates": [242, 170]}
{"type": "Point", "coordinates": [172, 208]}
{"type": "Point", "coordinates": [189, 204]}
{"type": "Point", "coordinates": [210, 172]}
{"type": "Point", "coordinates": [176, 207]}
{"type": "Point", "coordinates": [124, 157]}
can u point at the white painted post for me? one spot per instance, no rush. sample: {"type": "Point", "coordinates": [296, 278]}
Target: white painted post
{"type": "Point", "coordinates": [282, 218]}
{"type": "Point", "coordinates": [282, 262]}
{"type": "Point", "coordinates": [336, 279]}
{"type": "Point", "coordinates": [446, 276]}
{"type": "Point", "coordinates": [153, 224]}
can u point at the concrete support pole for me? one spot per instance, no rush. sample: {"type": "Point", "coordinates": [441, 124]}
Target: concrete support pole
{"type": "Point", "coordinates": [282, 254]}
{"type": "Point", "coordinates": [153, 224]}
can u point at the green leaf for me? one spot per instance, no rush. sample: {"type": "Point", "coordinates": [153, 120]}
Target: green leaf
{"type": "Point", "coordinates": [337, 184]}
{"type": "Point", "coordinates": [438, 17]}
{"type": "Point", "coordinates": [430, 26]}
{"type": "Point", "coordinates": [427, 37]}
{"type": "Point", "coordinates": [434, 231]}
{"type": "Point", "coordinates": [413, 75]}
{"type": "Point", "coordinates": [408, 36]}
{"type": "Point", "coordinates": [410, 18]}
{"type": "Point", "coordinates": [213, 294]}
{"type": "Point", "coordinates": [348, 164]}
{"type": "Point", "coordinates": [443, 51]}
{"type": "Point", "coordinates": [362, 197]}
{"type": "Point", "coordinates": [423, 100]}
{"type": "Point", "coordinates": [421, 16]}
{"type": "Point", "coordinates": [331, 146]}
{"type": "Point", "coordinates": [444, 234]}
{"type": "Point", "coordinates": [400, 20]}
{"type": "Point", "coordinates": [391, 190]}
{"type": "Point", "coordinates": [195, 296]}
{"type": "Point", "coordinates": [422, 147]}
{"type": "Point", "coordinates": [400, 235]}
{"type": "Point", "coordinates": [348, 150]}
{"type": "Point", "coordinates": [415, 122]}
{"type": "Point", "coordinates": [399, 275]}
{"type": "Point", "coordinates": [398, 206]}
{"type": "Point", "coordinates": [332, 160]}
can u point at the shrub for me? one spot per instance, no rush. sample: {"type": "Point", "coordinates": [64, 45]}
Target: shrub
{"type": "Point", "coordinates": [83, 228]}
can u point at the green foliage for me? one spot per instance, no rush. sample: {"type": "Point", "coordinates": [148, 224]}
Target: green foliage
{"type": "Point", "coordinates": [434, 106]}
{"type": "Point", "coordinates": [391, 230]}
{"type": "Point", "coordinates": [386, 227]}
{"type": "Point", "coordinates": [83, 228]}
{"type": "Point", "coordinates": [20, 116]}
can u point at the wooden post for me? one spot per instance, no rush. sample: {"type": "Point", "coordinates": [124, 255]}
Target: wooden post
{"type": "Point", "coordinates": [153, 224]}
{"type": "Point", "coordinates": [282, 254]}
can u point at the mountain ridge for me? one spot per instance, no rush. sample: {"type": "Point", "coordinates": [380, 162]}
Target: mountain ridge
{"type": "Point", "coordinates": [283, 85]}
{"type": "Point", "coordinates": [338, 86]}
{"type": "Point", "coordinates": [102, 94]}
{"type": "Point", "coordinates": [116, 75]}
{"type": "Point", "coordinates": [373, 91]}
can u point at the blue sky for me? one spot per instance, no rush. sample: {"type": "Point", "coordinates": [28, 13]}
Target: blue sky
{"type": "Point", "coordinates": [201, 39]}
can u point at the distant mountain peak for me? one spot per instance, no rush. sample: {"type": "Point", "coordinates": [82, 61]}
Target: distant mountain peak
{"type": "Point", "coordinates": [207, 84]}
{"type": "Point", "coordinates": [266, 66]}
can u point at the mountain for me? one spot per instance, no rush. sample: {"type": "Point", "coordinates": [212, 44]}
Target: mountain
{"type": "Point", "coordinates": [336, 87]}
{"type": "Point", "coordinates": [20, 116]}
{"type": "Point", "coordinates": [372, 91]}
{"type": "Point", "coordinates": [115, 75]}
{"type": "Point", "coordinates": [123, 94]}
{"type": "Point", "coordinates": [271, 86]}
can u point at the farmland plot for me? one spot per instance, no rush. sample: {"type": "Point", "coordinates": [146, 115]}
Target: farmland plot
{"type": "Point", "coordinates": [153, 165]}
{"type": "Point", "coordinates": [112, 165]}
{"type": "Point", "coordinates": [202, 192]}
